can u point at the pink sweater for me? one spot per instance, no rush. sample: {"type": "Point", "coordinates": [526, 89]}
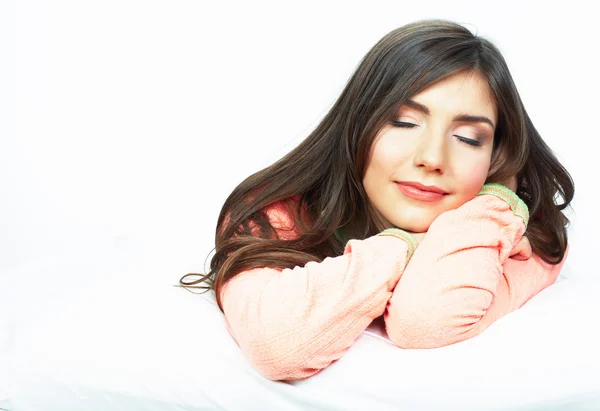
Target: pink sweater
{"type": "Point", "coordinates": [292, 323]}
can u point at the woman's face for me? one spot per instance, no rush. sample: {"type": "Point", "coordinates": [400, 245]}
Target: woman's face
{"type": "Point", "coordinates": [442, 137]}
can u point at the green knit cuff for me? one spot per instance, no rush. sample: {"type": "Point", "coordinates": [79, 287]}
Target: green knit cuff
{"type": "Point", "coordinates": [403, 235]}
{"type": "Point", "coordinates": [517, 205]}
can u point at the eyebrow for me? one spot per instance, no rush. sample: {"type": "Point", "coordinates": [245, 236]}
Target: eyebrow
{"type": "Point", "coordinates": [460, 117]}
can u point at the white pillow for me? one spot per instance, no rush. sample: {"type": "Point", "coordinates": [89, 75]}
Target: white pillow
{"type": "Point", "coordinates": [107, 331]}
{"type": "Point", "coordinates": [543, 356]}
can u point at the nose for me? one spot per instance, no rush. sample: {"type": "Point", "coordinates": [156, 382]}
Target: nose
{"type": "Point", "coordinates": [430, 154]}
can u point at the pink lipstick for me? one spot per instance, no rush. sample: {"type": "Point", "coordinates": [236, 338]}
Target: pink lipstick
{"type": "Point", "coordinates": [420, 192]}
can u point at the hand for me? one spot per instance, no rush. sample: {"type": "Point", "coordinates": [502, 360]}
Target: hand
{"type": "Point", "coordinates": [522, 250]}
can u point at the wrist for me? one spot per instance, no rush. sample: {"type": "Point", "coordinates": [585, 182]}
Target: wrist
{"type": "Point", "coordinates": [403, 235]}
{"type": "Point", "coordinates": [517, 205]}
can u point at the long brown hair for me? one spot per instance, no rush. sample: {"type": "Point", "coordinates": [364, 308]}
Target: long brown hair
{"type": "Point", "coordinates": [325, 171]}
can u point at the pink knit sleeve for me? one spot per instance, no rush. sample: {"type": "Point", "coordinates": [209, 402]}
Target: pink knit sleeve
{"type": "Point", "coordinates": [460, 279]}
{"type": "Point", "coordinates": [521, 280]}
{"type": "Point", "coordinates": [291, 323]}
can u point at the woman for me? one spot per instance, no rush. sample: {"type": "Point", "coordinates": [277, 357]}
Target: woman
{"type": "Point", "coordinates": [411, 201]}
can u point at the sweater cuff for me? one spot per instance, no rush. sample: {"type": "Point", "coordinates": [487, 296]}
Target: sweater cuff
{"type": "Point", "coordinates": [517, 205]}
{"type": "Point", "coordinates": [403, 235]}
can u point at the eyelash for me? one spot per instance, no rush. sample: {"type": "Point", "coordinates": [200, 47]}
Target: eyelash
{"type": "Point", "coordinates": [465, 140]}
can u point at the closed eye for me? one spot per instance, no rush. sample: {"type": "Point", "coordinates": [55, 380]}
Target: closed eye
{"type": "Point", "coordinates": [403, 124]}
{"type": "Point", "coordinates": [469, 141]}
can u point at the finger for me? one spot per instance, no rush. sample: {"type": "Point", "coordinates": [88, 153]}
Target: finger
{"type": "Point", "coordinates": [522, 251]}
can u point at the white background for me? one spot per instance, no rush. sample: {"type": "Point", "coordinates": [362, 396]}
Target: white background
{"type": "Point", "coordinates": [133, 120]}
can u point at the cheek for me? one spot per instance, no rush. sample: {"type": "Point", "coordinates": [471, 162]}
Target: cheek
{"type": "Point", "coordinates": [387, 154]}
{"type": "Point", "coordinates": [472, 176]}
{"type": "Point", "coordinates": [385, 159]}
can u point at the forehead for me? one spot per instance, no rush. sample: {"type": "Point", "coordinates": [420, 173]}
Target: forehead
{"type": "Point", "coordinates": [467, 93]}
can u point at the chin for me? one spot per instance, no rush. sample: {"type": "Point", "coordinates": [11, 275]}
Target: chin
{"type": "Point", "coordinates": [415, 224]}
{"type": "Point", "coordinates": [414, 228]}
{"type": "Point", "coordinates": [419, 219]}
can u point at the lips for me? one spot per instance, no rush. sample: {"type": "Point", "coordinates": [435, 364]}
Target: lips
{"type": "Point", "coordinates": [422, 187]}
{"type": "Point", "coordinates": [420, 192]}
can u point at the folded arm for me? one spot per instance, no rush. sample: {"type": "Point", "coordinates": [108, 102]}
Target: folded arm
{"type": "Point", "coordinates": [291, 323]}
{"type": "Point", "coordinates": [461, 279]}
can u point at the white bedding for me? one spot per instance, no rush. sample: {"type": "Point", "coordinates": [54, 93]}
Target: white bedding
{"type": "Point", "coordinates": [103, 329]}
